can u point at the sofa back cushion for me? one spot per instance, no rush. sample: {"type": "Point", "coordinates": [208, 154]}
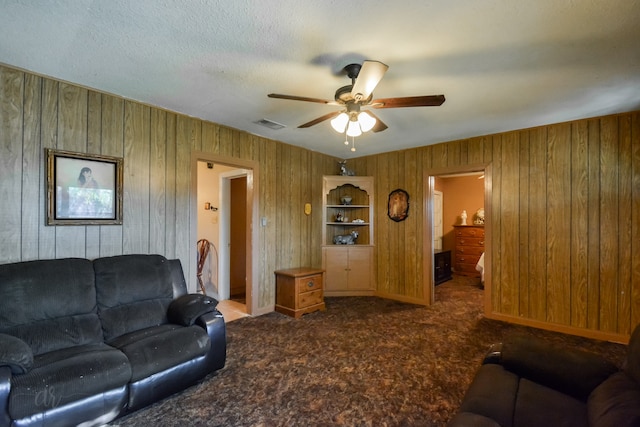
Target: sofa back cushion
{"type": "Point", "coordinates": [49, 304]}
{"type": "Point", "coordinates": [133, 292]}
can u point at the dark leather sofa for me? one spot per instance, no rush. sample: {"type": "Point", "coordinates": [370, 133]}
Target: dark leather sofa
{"type": "Point", "coordinates": [84, 342]}
{"type": "Point", "coordinates": [526, 383]}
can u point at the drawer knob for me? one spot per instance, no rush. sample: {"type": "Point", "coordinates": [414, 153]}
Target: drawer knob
{"type": "Point", "coordinates": [310, 284]}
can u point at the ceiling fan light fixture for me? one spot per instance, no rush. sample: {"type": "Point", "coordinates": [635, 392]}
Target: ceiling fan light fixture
{"type": "Point", "coordinates": [339, 123]}
{"type": "Point", "coordinates": [353, 129]}
{"type": "Point", "coordinates": [366, 121]}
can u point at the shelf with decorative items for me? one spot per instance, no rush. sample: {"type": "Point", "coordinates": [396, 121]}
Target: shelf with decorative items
{"type": "Point", "coordinates": [347, 235]}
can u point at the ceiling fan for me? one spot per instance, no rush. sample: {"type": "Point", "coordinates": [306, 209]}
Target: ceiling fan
{"type": "Point", "coordinates": [352, 120]}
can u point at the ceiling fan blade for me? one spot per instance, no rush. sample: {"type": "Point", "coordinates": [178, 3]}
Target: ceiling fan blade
{"type": "Point", "coordinates": [410, 101]}
{"type": "Point", "coordinates": [379, 126]}
{"type": "Point", "coordinates": [368, 78]}
{"type": "Point", "coordinates": [320, 119]}
{"type": "Point", "coordinates": [299, 98]}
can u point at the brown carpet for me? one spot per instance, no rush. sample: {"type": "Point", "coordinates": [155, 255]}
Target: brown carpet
{"type": "Point", "coordinates": [365, 361]}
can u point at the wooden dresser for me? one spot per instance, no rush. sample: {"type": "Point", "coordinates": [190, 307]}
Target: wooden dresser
{"type": "Point", "coordinates": [469, 247]}
{"type": "Point", "coordinates": [299, 291]}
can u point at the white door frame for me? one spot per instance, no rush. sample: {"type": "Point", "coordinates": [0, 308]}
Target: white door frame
{"type": "Point", "coordinates": [251, 169]}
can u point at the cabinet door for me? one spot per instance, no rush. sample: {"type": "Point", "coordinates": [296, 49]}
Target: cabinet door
{"type": "Point", "coordinates": [336, 265]}
{"type": "Point", "coordinates": [360, 268]}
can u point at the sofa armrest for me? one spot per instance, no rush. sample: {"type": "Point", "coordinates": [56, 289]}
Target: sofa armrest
{"type": "Point", "coordinates": [5, 389]}
{"type": "Point", "coordinates": [185, 309]}
{"type": "Point", "coordinates": [570, 371]}
{"type": "Point", "coordinates": [216, 328]}
{"type": "Point", "coordinates": [15, 354]}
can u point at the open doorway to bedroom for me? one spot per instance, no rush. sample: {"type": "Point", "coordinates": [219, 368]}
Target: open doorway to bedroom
{"type": "Point", "coordinates": [458, 228]}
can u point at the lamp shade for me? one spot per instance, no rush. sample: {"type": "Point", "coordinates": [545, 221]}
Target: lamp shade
{"type": "Point", "coordinates": [366, 121]}
{"type": "Point", "coordinates": [339, 123]}
{"type": "Point", "coordinates": [353, 129]}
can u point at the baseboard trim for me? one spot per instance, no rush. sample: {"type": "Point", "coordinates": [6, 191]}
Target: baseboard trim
{"type": "Point", "coordinates": [402, 298]}
{"type": "Point", "coordinates": [565, 329]}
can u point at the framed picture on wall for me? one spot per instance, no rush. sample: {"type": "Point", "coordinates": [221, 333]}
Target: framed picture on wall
{"type": "Point", "coordinates": [398, 205]}
{"type": "Point", "coordinates": [83, 189]}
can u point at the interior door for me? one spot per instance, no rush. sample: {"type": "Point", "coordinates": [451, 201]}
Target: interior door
{"type": "Point", "coordinates": [238, 237]}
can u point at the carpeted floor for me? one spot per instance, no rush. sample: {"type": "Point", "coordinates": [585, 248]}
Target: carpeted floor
{"type": "Point", "coordinates": [364, 361]}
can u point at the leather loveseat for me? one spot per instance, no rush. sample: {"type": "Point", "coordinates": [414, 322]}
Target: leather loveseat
{"type": "Point", "coordinates": [528, 383]}
{"type": "Point", "coordinates": [84, 342]}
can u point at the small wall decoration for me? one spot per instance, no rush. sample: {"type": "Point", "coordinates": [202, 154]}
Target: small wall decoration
{"type": "Point", "coordinates": [398, 205]}
{"type": "Point", "coordinates": [83, 189]}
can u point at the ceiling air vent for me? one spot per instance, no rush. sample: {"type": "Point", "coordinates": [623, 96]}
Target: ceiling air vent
{"type": "Point", "coordinates": [270, 124]}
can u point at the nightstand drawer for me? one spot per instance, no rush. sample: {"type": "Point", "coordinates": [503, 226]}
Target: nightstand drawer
{"type": "Point", "coordinates": [310, 283]}
{"type": "Point", "coordinates": [310, 298]}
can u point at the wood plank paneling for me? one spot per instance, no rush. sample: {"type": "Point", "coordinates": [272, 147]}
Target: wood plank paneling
{"type": "Point", "coordinates": [111, 134]}
{"type": "Point", "coordinates": [537, 215]}
{"type": "Point", "coordinates": [32, 173]}
{"type": "Point", "coordinates": [509, 224]}
{"type": "Point", "coordinates": [157, 182]}
{"type": "Point", "coordinates": [593, 236]}
{"type": "Point", "coordinates": [137, 176]}
{"type": "Point", "coordinates": [72, 136]}
{"type": "Point", "coordinates": [635, 219]}
{"type": "Point", "coordinates": [524, 208]}
{"type": "Point", "coordinates": [565, 201]}
{"type": "Point", "coordinates": [11, 105]}
{"type": "Point", "coordinates": [579, 223]}
{"type": "Point", "coordinates": [625, 206]}
{"type": "Point", "coordinates": [558, 224]}
{"type": "Point", "coordinates": [609, 223]}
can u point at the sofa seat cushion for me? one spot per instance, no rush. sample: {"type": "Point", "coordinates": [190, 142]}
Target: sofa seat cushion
{"type": "Point", "coordinates": [538, 405]}
{"type": "Point", "coordinates": [68, 375]}
{"type": "Point", "coordinates": [492, 394]}
{"type": "Point", "coordinates": [615, 402]}
{"type": "Point", "coordinates": [158, 348]}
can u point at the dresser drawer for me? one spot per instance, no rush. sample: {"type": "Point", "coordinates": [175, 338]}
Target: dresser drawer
{"type": "Point", "coordinates": [469, 232]}
{"type": "Point", "coordinates": [467, 259]}
{"type": "Point", "coordinates": [470, 241]}
{"type": "Point", "coordinates": [473, 251]}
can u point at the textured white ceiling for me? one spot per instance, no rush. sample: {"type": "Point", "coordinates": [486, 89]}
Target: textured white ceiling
{"type": "Point", "coordinates": [502, 64]}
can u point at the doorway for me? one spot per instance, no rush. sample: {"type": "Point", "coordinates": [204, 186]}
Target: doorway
{"type": "Point", "coordinates": [233, 194]}
{"type": "Point", "coordinates": [433, 199]}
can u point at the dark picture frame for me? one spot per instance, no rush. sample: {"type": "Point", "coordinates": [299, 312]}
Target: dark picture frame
{"type": "Point", "coordinates": [83, 189]}
{"type": "Point", "coordinates": [398, 205]}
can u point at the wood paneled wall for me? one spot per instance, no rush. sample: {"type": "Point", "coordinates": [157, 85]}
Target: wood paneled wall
{"type": "Point", "coordinates": [565, 222]}
{"type": "Point", "coordinates": [38, 113]}
{"type": "Point", "coordinates": [565, 200]}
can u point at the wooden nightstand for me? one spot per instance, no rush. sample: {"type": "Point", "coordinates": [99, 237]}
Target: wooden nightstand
{"type": "Point", "coordinates": [299, 291]}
